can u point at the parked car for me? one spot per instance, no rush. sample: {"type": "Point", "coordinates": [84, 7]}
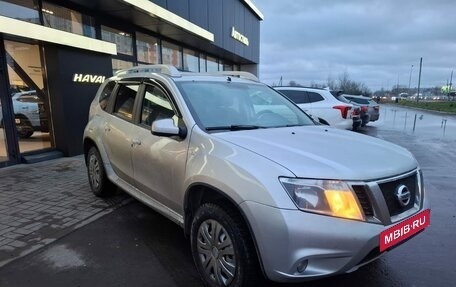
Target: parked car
{"type": "Point", "coordinates": [255, 184]}
{"type": "Point", "coordinates": [363, 108]}
{"type": "Point", "coordinates": [373, 109]}
{"type": "Point", "coordinates": [29, 114]}
{"type": "Point", "coordinates": [321, 104]}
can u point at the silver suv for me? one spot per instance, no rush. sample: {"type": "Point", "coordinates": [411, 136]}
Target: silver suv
{"type": "Point", "coordinates": [256, 185]}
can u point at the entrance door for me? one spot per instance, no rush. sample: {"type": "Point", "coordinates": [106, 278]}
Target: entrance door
{"type": "Point", "coordinates": [28, 95]}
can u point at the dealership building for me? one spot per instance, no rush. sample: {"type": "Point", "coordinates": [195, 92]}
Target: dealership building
{"type": "Point", "coordinates": [55, 54]}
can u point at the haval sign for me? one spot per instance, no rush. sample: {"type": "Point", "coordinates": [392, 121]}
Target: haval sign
{"type": "Point", "coordinates": [88, 78]}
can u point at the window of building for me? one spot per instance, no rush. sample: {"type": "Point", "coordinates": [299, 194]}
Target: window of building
{"type": "Point", "coordinates": [202, 63]}
{"type": "Point", "coordinates": [123, 40]}
{"type": "Point", "coordinates": [171, 54]}
{"type": "Point", "coordinates": [212, 64]}
{"type": "Point", "coordinates": [31, 108]}
{"type": "Point", "coordinates": [227, 66]}
{"type": "Point", "coordinates": [148, 49]}
{"type": "Point", "coordinates": [25, 10]}
{"type": "Point", "coordinates": [120, 65]}
{"type": "Point", "coordinates": [65, 19]}
{"type": "Point", "coordinates": [191, 60]}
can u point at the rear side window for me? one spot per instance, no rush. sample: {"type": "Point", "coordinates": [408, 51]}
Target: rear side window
{"type": "Point", "coordinates": [125, 100]}
{"type": "Point", "coordinates": [314, 97]}
{"type": "Point", "coordinates": [106, 94]}
{"type": "Point", "coordinates": [299, 97]}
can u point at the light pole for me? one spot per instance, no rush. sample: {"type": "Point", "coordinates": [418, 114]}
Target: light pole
{"type": "Point", "coordinates": [419, 80]}
{"type": "Point", "coordinates": [410, 78]}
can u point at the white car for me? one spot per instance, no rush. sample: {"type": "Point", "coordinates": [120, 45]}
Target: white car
{"type": "Point", "coordinates": [28, 114]}
{"type": "Point", "coordinates": [322, 105]}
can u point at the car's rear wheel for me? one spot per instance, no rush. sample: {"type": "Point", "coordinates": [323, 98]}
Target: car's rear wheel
{"type": "Point", "coordinates": [24, 127]}
{"type": "Point", "coordinates": [98, 180]}
{"type": "Point", "coordinates": [222, 248]}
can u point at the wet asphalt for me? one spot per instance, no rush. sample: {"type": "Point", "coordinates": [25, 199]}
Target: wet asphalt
{"type": "Point", "coordinates": [135, 246]}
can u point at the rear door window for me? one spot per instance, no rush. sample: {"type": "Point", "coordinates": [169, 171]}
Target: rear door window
{"type": "Point", "coordinates": [106, 95]}
{"type": "Point", "coordinates": [298, 97]}
{"type": "Point", "coordinates": [125, 100]}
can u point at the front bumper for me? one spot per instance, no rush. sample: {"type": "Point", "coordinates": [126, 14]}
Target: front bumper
{"type": "Point", "coordinates": [287, 240]}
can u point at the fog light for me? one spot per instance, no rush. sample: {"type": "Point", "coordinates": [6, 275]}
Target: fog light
{"type": "Point", "coordinates": [302, 266]}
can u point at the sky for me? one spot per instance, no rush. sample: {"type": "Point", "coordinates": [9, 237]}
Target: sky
{"type": "Point", "coordinates": [375, 41]}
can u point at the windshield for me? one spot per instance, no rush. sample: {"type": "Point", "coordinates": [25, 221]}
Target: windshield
{"type": "Point", "coordinates": [237, 106]}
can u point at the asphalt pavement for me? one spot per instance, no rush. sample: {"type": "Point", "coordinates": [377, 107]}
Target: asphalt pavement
{"type": "Point", "coordinates": [121, 242]}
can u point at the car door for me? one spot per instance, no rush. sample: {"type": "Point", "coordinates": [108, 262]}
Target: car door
{"type": "Point", "coordinates": [300, 98]}
{"type": "Point", "coordinates": [158, 161]}
{"type": "Point", "coordinates": [319, 108]}
{"type": "Point", "coordinates": [117, 130]}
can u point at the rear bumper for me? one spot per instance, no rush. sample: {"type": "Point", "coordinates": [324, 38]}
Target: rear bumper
{"type": "Point", "coordinates": [344, 124]}
{"type": "Point", "coordinates": [374, 117]}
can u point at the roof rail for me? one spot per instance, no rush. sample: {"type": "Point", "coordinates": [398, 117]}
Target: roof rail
{"type": "Point", "coordinates": [163, 69]}
{"type": "Point", "coordinates": [238, 74]}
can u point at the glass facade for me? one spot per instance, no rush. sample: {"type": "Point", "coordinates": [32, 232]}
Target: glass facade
{"type": "Point", "coordinates": [25, 10]}
{"type": "Point", "coordinates": [212, 64]}
{"type": "Point", "coordinates": [28, 96]}
{"type": "Point", "coordinates": [148, 49]}
{"type": "Point", "coordinates": [171, 54]}
{"type": "Point", "coordinates": [123, 40]}
{"type": "Point", "coordinates": [202, 63]}
{"type": "Point", "coordinates": [191, 60]}
{"type": "Point", "coordinates": [120, 64]}
{"type": "Point", "coordinates": [65, 19]}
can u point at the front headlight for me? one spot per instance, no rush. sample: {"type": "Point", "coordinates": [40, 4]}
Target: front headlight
{"type": "Point", "coordinates": [330, 197]}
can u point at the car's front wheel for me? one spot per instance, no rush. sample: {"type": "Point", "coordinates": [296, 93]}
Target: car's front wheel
{"type": "Point", "coordinates": [98, 180]}
{"type": "Point", "coordinates": [222, 248]}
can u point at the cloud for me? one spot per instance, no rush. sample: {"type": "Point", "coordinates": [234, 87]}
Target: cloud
{"type": "Point", "coordinates": [376, 42]}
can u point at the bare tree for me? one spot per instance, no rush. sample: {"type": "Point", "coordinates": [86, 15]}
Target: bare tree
{"type": "Point", "coordinates": [351, 87]}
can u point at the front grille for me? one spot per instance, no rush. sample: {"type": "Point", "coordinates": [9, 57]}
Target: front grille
{"type": "Point", "coordinates": [389, 188]}
{"type": "Point", "coordinates": [363, 199]}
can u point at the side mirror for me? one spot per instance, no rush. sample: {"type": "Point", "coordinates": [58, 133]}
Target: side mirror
{"type": "Point", "coordinates": [166, 128]}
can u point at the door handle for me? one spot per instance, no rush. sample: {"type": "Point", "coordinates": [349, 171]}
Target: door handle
{"type": "Point", "coordinates": [135, 142]}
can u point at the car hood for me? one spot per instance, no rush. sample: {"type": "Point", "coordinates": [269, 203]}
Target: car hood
{"type": "Point", "coordinates": [324, 152]}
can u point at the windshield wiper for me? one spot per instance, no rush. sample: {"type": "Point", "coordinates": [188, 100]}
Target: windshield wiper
{"type": "Point", "coordinates": [234, 128]}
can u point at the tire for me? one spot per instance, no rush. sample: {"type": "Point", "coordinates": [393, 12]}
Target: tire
{"type": "Point", "coordinates": [98, 180]}
{"type": "Point", "coordinates": [230, 258]}
{"type": "Point", "coordinates": [24, 127]}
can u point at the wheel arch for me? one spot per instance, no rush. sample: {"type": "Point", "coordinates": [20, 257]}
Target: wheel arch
{"type": "Point", "coordinates": [200, 193]}
{"type": "Point", "coordinates": [87, 144]}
